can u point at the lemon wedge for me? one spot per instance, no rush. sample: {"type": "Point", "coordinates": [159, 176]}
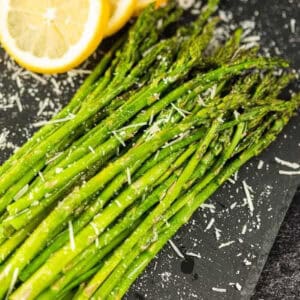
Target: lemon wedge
{"type": "Point", "coordinates": [52, 36]}
{"type": "Point", "coordinates": [122, 11]}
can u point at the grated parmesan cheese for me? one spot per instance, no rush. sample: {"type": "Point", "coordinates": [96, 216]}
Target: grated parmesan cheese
{"type": "Point", "coordinates": [128, 175]}
{"type": "Point", "coordinates": [12, 283]}
{"type": "Point", "coordinates": [291, 165]}
{"type": "Point", "coordinates": [131, 126]}
{"type": "Point", "coordinates": [210, 206]}
{"type": "Point", "coordinates": [42, 123]}
{"type": "Point", "coordinates": [244, 229]}
{"type": "Point", "coordinates": [197, 255]}
{"type": "Point", "coordinates": [21, 192]}
{"type": "Point", "coordinates": [58, 170]}
{"type": "Point", "coordinates": [238, 286]}
{"type": "Point", "coordinates": [289, 173]}
{"type": "Point", "coordinates": [247, 262]}
{"type": "Point", "coordinates": [176, 249]}
{"type": "Point", "coordinates": [95, 228]}
{"type": "Point", "coordinates": [41, 175]}
{"type": "Point", "coordinates": [293, 25]}
{"type": "Point", "coordinates": [225, 244]}
{"type": "Point", "coordinates": [219, 290]}
{"type": "Point", "coordinates": [260, 164]}
{"type": "Point", "coordinates": [251, 39]}
{"type": "Point", "coordinates": [54, 158]}
{"type": "Point", "coordinates": [186, 4]}
{"type": "Point", "coordinates": [247, 190]}
{"type": "Point", "coordinates": [79, 72]}
{"type": "Point", "coordinates": [119, 138]}
{"type": "Point", "coordinates": [231, 180]}
{"type": "Point", "coordinates": [210, 224]}
{"type": "Point", "coordinates": [91, 149]}
{"type": "Point", "coordinates": [181, 111]}
{"type": "Point", "coordinates": [217, 233]}
{"type": "Point", "coordinates": [71, 236]}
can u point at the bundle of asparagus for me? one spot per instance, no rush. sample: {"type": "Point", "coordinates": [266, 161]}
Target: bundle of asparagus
{"type": "Point", "coordinates": [165, 118]}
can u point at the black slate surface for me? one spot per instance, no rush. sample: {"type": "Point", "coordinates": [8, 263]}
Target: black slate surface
{"type": "Point", "coordinates": [280, 278]}
{"type": "Point", "coordinates": [231, 267]}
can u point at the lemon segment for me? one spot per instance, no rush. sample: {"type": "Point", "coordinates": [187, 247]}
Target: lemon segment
{"type": "Point", "coordinates": [122, 11]}
{"type": "Point", "coordinates": [52, 36]}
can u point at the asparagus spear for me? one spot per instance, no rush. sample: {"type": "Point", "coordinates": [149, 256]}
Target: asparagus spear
{"type": "Point", "coordinates": [90, 107]}
{"type": "Point", "coordinates": [87, 87]}
{"type": "Point", "coordinates": [115, 142]}
{"type": "Point", "coordinates": [138, 212]}
{"type": "Point", "coordinates": [153, 217]}
{"type": "Point", "coordinates": [85, 258]}
{"type": "Point", "coordinates": [181, 66]}
{"type": "Point", "coordinates": [102, 199]}
{"type": "Point", "coordinates": [100, 221]}
{"type": "Point", "coordinates": [186, 212]}
{"type": "Point", "coordinates": [22, 256]}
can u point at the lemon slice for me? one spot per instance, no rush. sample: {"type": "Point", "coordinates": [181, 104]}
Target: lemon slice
{"type": "Point", "coordinates": [122, 11]}
{"type": "Point", "coordinates": [52, 36]}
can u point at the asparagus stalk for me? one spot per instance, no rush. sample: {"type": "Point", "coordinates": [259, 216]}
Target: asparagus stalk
{"type": "Point", "coordinates": [36, 240]}
{"type": "Point", "coordinates": [87, 87]}
{"type": "Point", "coordinates": [70, 272]}
{"type": "Point", "coordinates": [80, 268]}
{"type": "Point", "coordinates": [172, 193]}
{"type": "Point", "coordinates": [25, 243]}
{"type": "Point", "coordinates": [186, 212]}
{"type": "Point", "coordinates": [214, 75]}
{"type": "Point", "coordinates": [136, 213]}
{"type": "Point", "coordinates": [104, 197]}
{"type": "Point", "coordinates": [180, 68]}
{"type": "Point", "coordinates": [144, 241]}
{"type": "Point", "coordinates": [101, 221]}
{"type": "Point", "coordinates": [90, 107]}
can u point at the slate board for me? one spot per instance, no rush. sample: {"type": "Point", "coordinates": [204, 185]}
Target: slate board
{"type": "Point", "coordinates": [280, 277]}
{"type": "Point", "coordinates": [169, 277]}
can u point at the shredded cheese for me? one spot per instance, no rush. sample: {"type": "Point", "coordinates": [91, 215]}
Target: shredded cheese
{"type": "Point", "coordinates": [42, 123]}
{"type": "Point", "coordinates": [21, 192]}
{"type": "Point", "coordinates": [244, 229]}
{"type": "Point", "coordinates": [131, 126]}
{"type": "Point", "coordinates": [210, 224]}
{"type": "Point", "coordinates": [175, 248]}
{"type": "Point", "coordinates": [42, 177]}
{"type": "Point", "coordinates": [128, 175]}
{"type": "Point", "coordinates": [91, 149]}
{"type": "Point", "coordinates": [293, 25]}
{"type": "Point", "coordinates": [71, 236]}
{"type": "Point", "coordinates": [95, 228]}
{"type": "Point", "coordinates": [12, 283]}
{"type": "Point", "coordinates": [219, 290]}
{"type": "Point", "coordinates": [285, 163]}
{"type": "Point", "coordinates": [290, 173]}
{"type": "Point", "coordinates": [225, 244]}
{"type": "Point", "coordinates": [260, 164]}
{"type": "Point", "coordinates": [119, 138]}
{"type": "Point", "coordinates": [218, 233]}
{"type": "Point", "coordinates": [247, 189]}
{"type": "Point", "coordinates": [197, 255]}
